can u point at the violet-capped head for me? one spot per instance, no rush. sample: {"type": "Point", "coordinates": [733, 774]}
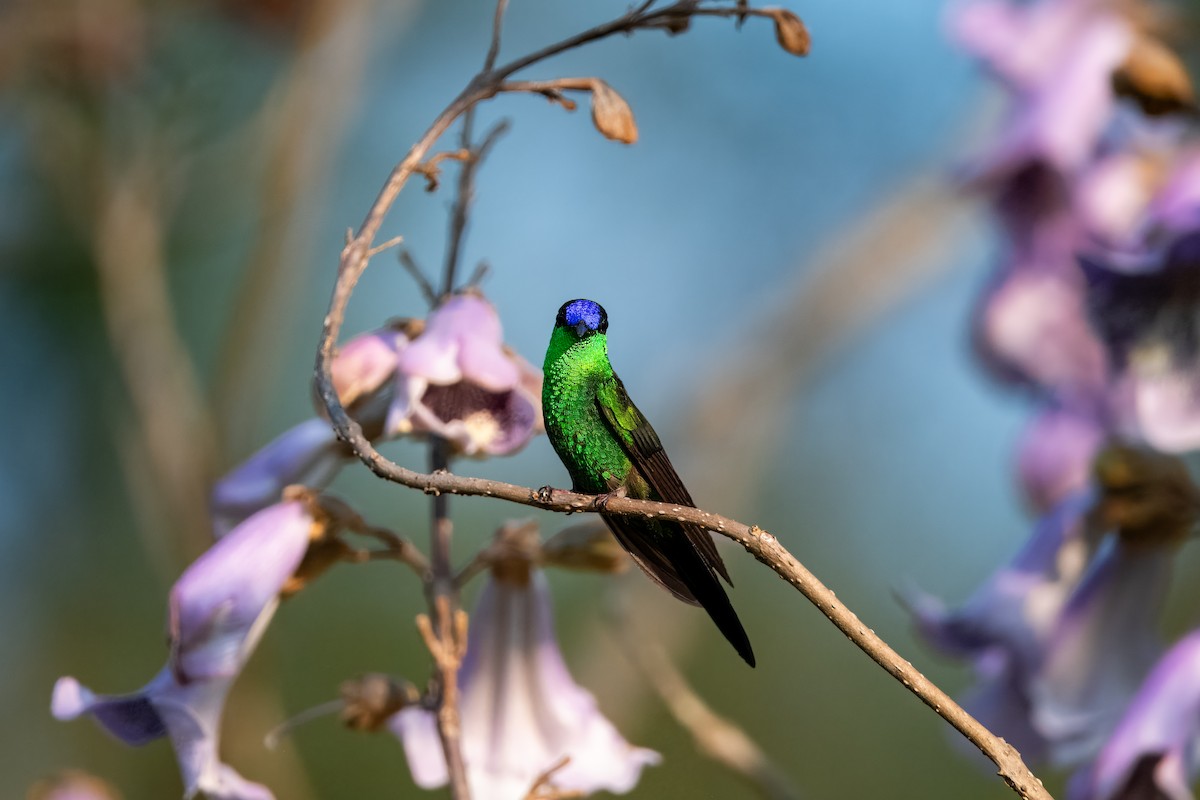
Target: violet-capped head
{"type": "Point", "coordinates": [219, 609]}
{"type": "Point", "coordinates": [521, 711]}
{"type": "Point", "coordinates": [458, 380]}
{"type": "Point", "coordinates": [1152, 751]}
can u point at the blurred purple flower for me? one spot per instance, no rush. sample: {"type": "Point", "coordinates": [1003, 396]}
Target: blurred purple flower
{"type": "Point", "coordinates": [1033, 329]}
{"type": "Point", "coordinates": [1104, 642]}
{"type": "Point", "coordinates": [1054, 457]}
{"type": "Point", "coordinates": [521, 710]}
{"type": "Point", "coordinates": [1017, 607]}
{"type": "Point", "coordinates": [459, 381]}
{"type": "Point", "coordinates": [1144, 300]}
{"type": "Point", "coordinates": [308, 454]}
{"type": "Point", "coordinates": [1058, 58]}
{"type": "Point", "coordinates": [1152, 752]}
{"type": "Point", "coordinates": [451, 376]}
{"type": "Point", "coordinates": [1004, 628]}
{"type": "Point", "coordinates": [219, 609]}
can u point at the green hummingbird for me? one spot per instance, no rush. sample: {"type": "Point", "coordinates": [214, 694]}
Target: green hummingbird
{"type": "Point", "coordinates": [608, 447]}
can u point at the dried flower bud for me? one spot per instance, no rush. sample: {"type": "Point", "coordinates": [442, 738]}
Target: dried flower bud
{"type": "Point", "coordinates": [371, 700]}
{"type": "Point", "coordinates": [515, 551]}
{"type": "Point", "coordinates": [790, 31]}
{"type": "Point", "coordinates": [611, 114]}
{"type": "Point", "coordinates": [72, 785]}
{"type": "Point", "coordinates": [676, 24]}
{"type": "Point", "coordinates": [588, 546]}
{"type": "Point", "coordinates": [1148, 497]}
{"type": "Point", "coordinates": [1154, 77]}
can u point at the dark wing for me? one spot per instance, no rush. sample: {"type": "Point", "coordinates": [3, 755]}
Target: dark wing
{"type": "Point", "coordinates": [682, 558]}
{"type": "Point", "coordinates": [645, 451]}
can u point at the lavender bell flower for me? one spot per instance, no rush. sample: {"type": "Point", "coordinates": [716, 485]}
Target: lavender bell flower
{"type": "Point", "coordinates": [310, 454]}
{"type": "Point", "coordinates": [1058, 57]}
{"type": "Point", "coordinates": [521, 710]}
{"type": "Point", "coordinates": [1145, 302]}
{"type": "Point", "coordinates": [219, 609]}
{"type": "Point", "coordinates": [458, 380]}
{"type": "Point", "coordinates": [1102, 646]}
{"type": "Point", "coordinates": [1003, 628]}
{"type": "Point", "coordinates": [1106, 638]}
{"type": "Point", "coordinates": [1054, 457]}
{"type": "Point", "coordinates": [1152, 752]}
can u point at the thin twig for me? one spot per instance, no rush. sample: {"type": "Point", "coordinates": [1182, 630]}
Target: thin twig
{"type": "Point", "coordinates": [414, 270]}
{"type": "Point", "coordinates": [497, 25]}
{"type": "Point", "coordinates": [444, 606]}
{"type": "Point", "coordinates": [466, 194]}
{"type": "Point", "coordinates": [543, 786]}
{"type": "Point", "coordinates": [715, 736]}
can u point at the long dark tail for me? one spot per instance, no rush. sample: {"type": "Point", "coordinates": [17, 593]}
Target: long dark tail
{"type": "Point", "coordinates": [669, 557]}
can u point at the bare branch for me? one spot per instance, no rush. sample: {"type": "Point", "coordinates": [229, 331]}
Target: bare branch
{"type": "Point", "coordinates": [715, 736]}
{"type": "Point", "coordinates": [544, 789]}
{"type": "Point", "coordinates": [413, 269]}
{"type": "Point", "coordinates": [497, 23]}
{"type": "Point", "coordinates": [466, 194]}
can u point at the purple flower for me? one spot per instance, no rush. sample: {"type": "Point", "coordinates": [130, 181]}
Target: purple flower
{"type": "Point", "coordinates": [219, 608]}
{"type": "Point", "coordinates": [459, 381]}
{"type": "Point", "coordinates": [1054, 457]}
{"type": "Point", "coordinates": [521, 710]}
{"type": "Point", "coordinates": [1018, 606]}
{"type": "Point", "coordinates": [1004, 627]}
{"type": "Point", "coordinates": [1143, 295]}
{"type": "Point", "coordinates": [308, 454]}
{"type": "Point", "coordinates": [1058, 58]}
{"type": "Point", "coordinates": [451, 376]}
{"type": "Point", "coordinates": [1101, 647]}
{"type": "Point", "coordinates": [1152, 752]}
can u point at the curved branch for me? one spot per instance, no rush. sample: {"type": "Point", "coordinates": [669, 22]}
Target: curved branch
{"type": "Point", "coordinates": [760, 544]}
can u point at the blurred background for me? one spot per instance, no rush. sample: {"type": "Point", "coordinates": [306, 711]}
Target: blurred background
{"type": "Point", "coordinates": [789, 275]}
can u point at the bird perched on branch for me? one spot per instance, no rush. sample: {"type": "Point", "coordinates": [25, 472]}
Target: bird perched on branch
{"type": "Point", "coordinates": [610, 449]}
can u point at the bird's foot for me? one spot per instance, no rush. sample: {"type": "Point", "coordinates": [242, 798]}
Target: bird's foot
{"type": "Point", "coordinates": [545, 494]}
{"type": "Point", "coordinates": [601, 501]}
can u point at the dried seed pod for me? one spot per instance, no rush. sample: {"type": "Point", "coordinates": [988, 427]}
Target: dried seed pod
{"type": "Point", "coordinates": [370, 700]}
{"type": "Point", "coordinates": [790, 31]}
{"type": "Point", "coordinates": [588, 546]}
{"type": "Point", "coordinates": [1154, 77]}
{"type": "Point", "coordinates": [611, 114]}
{"type": "Point", "coordinates": [1148, 497]}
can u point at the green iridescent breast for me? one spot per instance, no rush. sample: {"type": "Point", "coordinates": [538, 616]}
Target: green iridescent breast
{"type": "Point", "coordinates": [573, 371]}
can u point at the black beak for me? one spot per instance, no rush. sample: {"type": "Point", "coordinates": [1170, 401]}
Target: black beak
{"type": "Point", "coordinates": [581, 328]}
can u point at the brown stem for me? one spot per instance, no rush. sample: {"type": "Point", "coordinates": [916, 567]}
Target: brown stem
{"type": "Point", "coordinates": [444, 606]}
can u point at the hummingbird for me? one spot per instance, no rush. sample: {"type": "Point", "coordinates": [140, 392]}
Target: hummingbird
{"type": "Point", "coordinates": [609, 449]}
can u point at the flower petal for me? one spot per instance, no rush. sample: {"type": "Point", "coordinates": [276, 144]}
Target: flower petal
{"type": "Point", "coordinates": [222, 601]}
{"type": "Point", "coordinates": [308, 454]}
{"type": "Point", "coordinates": [131, 718]}
{"type": "Point", "coordinates": [1102, 646]}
